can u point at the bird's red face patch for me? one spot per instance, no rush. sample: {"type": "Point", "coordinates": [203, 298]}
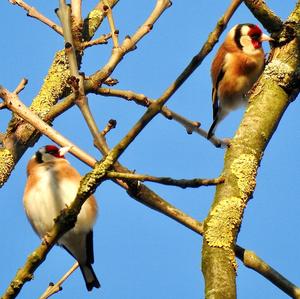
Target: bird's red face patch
{"type": "Point", "coordinates": [53, 150]}
{"type": "Point", "coordinates": [255, 34]}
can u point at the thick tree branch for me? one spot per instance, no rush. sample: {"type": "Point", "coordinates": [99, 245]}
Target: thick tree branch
{"type": "Point", "coordinates": [279, 81]}
{"type": "Point", "coordinates": [76, 7]}
{"type": "Point", "coordinates": [265, 15]}
{"type": "Point", "coordinates": [95, 18]}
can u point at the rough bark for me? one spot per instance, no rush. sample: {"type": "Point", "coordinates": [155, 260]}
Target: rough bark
{"type": "Point", "coordinates": [278, 86]}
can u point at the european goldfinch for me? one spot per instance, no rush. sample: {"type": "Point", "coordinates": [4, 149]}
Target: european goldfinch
{"type": "Point", "coordinates": [236, 67]}
{"type": "Point", "coordinates": [52, 184]}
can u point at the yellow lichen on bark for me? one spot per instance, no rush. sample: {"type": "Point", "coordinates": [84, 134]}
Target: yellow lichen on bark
{"type": "Point", "coordinates": [224, 217]}
{"type": "Point", "coordinates": [54, 85]}
{"type": "Point", "coordinates": [53, 88]}
{"type": "Point", "coordinates": [223, 220]}
{"type": "Point", "coordinates": [6, 165]}
{"type": "Point", "coordinates": [93, 19]}
{"type": "Point", "coordinates": [244, 168]}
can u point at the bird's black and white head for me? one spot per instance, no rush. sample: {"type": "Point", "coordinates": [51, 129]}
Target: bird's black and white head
{"type": "Point", "coordinates": [249, 37]}
{"type": "Point", "coordinates": [50, 153]}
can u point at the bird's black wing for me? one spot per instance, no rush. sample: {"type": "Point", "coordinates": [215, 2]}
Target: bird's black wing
{"type": "Point", "coordinates": [215, 99]}
{"type": "Point", "coordinates": [90, 247]}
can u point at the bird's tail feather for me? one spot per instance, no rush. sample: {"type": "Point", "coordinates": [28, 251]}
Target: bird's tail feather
{"type": "Point", "coordinates": [89, 276]}
{"type": "Point", "coordinates": [212, 128]}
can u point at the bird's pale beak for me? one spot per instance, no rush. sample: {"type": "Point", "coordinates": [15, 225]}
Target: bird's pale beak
{"type": "Point", "coordinates": [64, 150]}
{"type": "Point", "coordinates": [266, 38]}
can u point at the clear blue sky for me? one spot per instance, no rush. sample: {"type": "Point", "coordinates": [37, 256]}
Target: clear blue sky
{"type": "Point", "coordinates": [140, 253]}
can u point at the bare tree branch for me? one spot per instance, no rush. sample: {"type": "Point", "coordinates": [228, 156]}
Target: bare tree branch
{"type": "Point", "coordinates": [14, 104]}
{"type": "Point", "coordinates": [153, 201]}
{"type": "Point", "coordinates": [110, 125]}
{"type": "Point", "coordinates": [183, 183]}
{"type": "Point", "coordinates": [141, 99]}
{"type": "Point", "coordinates": [21, 86]}
{"type": "Point", "coordinates": [104, 168]}
{"type": "Point", "coordinates": [95, 18]}
{"type": "Point", "coordinates": [252, 261]}
{"type": "Point", "coordinates": [64, 14]}
{"type": "Point", "coordinates": [265, 15]}
{"type": "Point", "coordinates": [32, 12]}
{"type": "Point", "coordinates": [111, 22]}
{"type": "Point", "coordinates": [98, 41]}
{"type": "Point", "coordinates": [57, 287]}
{"type": "Point", "coordinates": [76, 6]}
{"type": "Point", "coordinates": [127, 45]}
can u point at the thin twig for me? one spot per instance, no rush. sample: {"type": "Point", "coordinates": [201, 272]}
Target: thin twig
{"type": "Point", "coordinates": [14, 104]}
{"type": "Point", "coordinates": [64, 14]}
{"type": "Point", "coordinates": [183, 183]}
{"type": "Point", "coordinates": [254, 262]}
{"type": "Point", "coordinates": [141, 99]}
{"type": "Point", "coordinates": [109, 81]}
{"type": "Point", "coordinates": [89, 119]}
{"type": "Point", "coordinates": [128, 95]}
{"type": "Point", "coordinates": [98, 41]}
{"type": "Point", "coordinates": [111, 22]}
{"type": "Point", "coordinates": [57, 287]}
{"type": "Point", "coordinates": [21, 86]}
{"type": "Point", "coordinates": [198, 58]}
{"type": "Point", "coordinates": [110, 125]}
{"type": "Point", "coordinates": [32, 12]}
{"type": "Point", "coordinates": [80, 97]}
{"type": "Point", "coordinates": [127, 45]}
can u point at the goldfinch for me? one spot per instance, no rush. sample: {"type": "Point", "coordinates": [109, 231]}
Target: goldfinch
{"type": "Point", "coordinates": [236, 67]}
{"type": "Point", "coordinates": [52, 184]}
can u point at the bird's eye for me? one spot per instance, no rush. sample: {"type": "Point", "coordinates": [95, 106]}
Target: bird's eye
{"type": "Point", "coordinates": [255, 36]}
